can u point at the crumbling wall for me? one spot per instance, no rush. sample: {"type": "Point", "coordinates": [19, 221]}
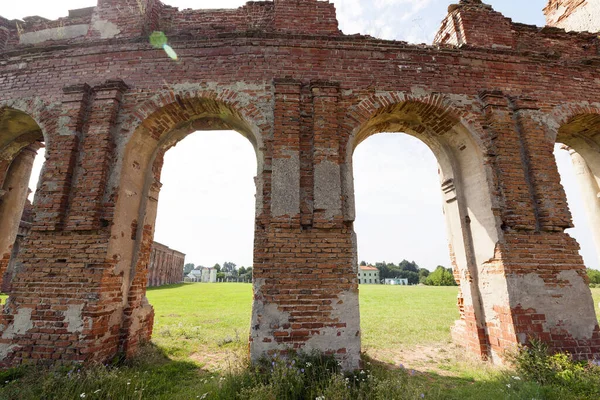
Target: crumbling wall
{"type": "Point", "coordinates": [484, 98]}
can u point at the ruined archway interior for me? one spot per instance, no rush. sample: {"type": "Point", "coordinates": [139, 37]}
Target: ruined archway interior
{"type": "Point", "coordinates": [206, 211]}
{"type": "Point", "coordinates": [399, 216]}
{"type": "Point", "coordinates": [141, 185]}
{"type": "Point", "coordinates": [578, 144]}
{"type": "Point", "coordinates": [470, 222]}
{"type": "Point", "coordinates": [21, 157]}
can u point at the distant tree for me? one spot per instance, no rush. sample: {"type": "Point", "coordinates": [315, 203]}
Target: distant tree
{"type": "Point", "coordinates": [406, 265]}
{"type": "Point", "coordinates": [187, 268]}
{"type": "Point", "coordinates": [441, 277]}
{"type": "Point", "coordinates": [217, 267]}
{"type": "Point", "coordinates": [199, 267]}
{"type": "Point", "coordinates": [241, 271]}
{"type": "Point", "coordinates": [594, 276]}
{"type": "Point", "coordinates": [228, 266]}
{"type": "Point", "coordinates": [423, 274]}
{"type": "Point", "coordinates": [363, 263]}
{"type": "Point", "coordinates": [220, 276]}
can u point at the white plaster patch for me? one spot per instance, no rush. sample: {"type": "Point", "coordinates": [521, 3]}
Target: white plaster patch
{"type": "Point", "coordinates": [5, 348]}
{"type": "Point", "coordinates": [58, 33]}
{"type": "Point", "coordinates": [565, 311]}
{"type": "Point", "coordinates": [328, 188]}
{"type": "Point", "coordinates": [20, 325]}
{"type": "Point", "coordinates": [74, 319]}
{"type": "Point", "coordinates": [285, 182]}
{"type": "Point", "coordinates": [107, 29]}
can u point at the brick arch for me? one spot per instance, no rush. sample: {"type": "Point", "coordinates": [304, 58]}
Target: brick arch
{"type": "Point", "coordinates": [160, 123]}
{"type": "Point", "coordinates": [164, 111]}
{"type": "Point", "coordinates": [455, 138]}
{"type": "Point", "coordinates": [437, 114]}
{"type": "Point", "coordinates": [564, 119]}
{"type": "Point", "coordinates": [577, 125]}
{"type": "Point", "coordinates": [41, 112]}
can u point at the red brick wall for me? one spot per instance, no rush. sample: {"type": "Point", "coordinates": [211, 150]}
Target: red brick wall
{"type": "Point", "coordinates": [305, 96]}
{"type": "Point", "coordinates": [165, 266]}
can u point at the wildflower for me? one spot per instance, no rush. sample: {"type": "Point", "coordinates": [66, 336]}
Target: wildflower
{"type": "Point", "coordinates": [508, 385]}
{"type": "Point", "coordinates": [82, 395]}
{"type": "Point", "coordinates": [302, 370]}
{"type": "Point", "coordinates": [362, 372]}
{"type": "Point", "coordinates": [308, 364]}
{"type": "Point", "coordinates": [516, 378]}
{"type": "Point", "coordinates": [422, 395]}
{"type": "Point", "coordinates": [411, 372]}
{"type": "Point", "coordinates": [204, 396]}
{"type": "Point", "coordinates": [320, 398]}
{"type": "Point", "coordinates": [401, 366]}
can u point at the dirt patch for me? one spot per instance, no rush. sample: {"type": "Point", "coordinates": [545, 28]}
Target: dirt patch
{"type": "Point", "coordinates": [439, 358]}
{"type": "Point", "coordinates": [221, 359]}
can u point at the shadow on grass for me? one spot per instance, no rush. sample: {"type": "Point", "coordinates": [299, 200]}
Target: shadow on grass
{"type": "Point", "coordinates": [173, 286]}
{"type": "Point", "coordinates": [153, 375]}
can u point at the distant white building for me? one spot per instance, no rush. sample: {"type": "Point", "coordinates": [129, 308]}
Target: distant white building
{"type": "Point", "coordinates": [209, 275]}
{"type": "Point", "coordinates": [206, 275]}
{"type": "Point", "coordinates": [368, 274]}
{"type": "Point", "coordinates": [195, 275]}
{"type": "Point", "coordinates": [396, 281]}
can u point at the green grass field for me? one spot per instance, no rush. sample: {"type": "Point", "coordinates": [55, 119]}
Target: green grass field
{"type": "Point", "coordinates": [200, 351]}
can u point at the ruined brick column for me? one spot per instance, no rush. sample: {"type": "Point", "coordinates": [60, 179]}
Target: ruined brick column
{"type": "Point", "coordinates": [306, 291]}
{"type": "Point", "coordinates": [537, 286]}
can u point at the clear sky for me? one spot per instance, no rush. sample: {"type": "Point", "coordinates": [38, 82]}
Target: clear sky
{"type": "Point", "coordinates": [206, 205]}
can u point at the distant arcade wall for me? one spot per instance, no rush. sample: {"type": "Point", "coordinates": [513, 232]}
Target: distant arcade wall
{"type": "Point", "coordinates": [490, 98]}
{"type": "Point", "coordinates": [166, 265]}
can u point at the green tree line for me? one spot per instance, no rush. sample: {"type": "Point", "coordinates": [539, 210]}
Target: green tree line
{"type": "Point", "coordinates": [411, 271]}
{"type": "Point", "coordinates": [594, 277]}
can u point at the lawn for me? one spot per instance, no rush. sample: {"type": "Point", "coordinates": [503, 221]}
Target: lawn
{"type": "Point", "coordinates": [199, 351]}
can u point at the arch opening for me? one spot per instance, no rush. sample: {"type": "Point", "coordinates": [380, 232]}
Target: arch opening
{"type": "Point", "coordinates": [580, 137]}
{"type": "Point", "coordinates": [21, 159]}
{"type": "Point", "coordinates": [471, 224]}
{"type": "Point", "coordinates": [138, 194]}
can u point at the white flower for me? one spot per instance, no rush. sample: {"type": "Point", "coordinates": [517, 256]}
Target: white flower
{"type": "Point", "coordinates": [508, 385]}
{"type": "Point", "coordinates": [82, 395]}
{"type": "Point", "coordinates": [516, 378]}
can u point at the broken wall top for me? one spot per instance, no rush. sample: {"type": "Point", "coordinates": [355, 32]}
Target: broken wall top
{"type": "Point", "coordinates": [470, 23]}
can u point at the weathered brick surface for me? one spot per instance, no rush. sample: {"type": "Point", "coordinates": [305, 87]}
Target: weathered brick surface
{"type": "Point", "coordinates": [109, 105]}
